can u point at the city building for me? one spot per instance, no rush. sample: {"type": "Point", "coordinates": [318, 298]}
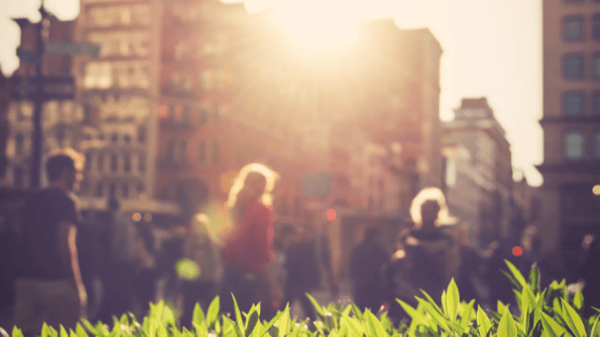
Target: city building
{"type": "Point", "coordinates": [119, 95]}
{"type": "Point", "coordinates": [61, 119]}
{"type": "Point", "coordinates": [402, 107]}
{"type": "Point", "coordinates": [4, 105]}
{"type": "Point", "coordinates": [478, 171]}
{"type": "Point", "coordinates": [571, 125]}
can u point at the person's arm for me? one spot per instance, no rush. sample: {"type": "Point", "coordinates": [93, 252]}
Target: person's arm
{"type": "Point", "coordinates": [67, 236]}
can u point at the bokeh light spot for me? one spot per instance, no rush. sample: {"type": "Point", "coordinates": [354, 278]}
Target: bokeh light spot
{"type": "Point", "coordinates": [187, 269]}
{"type": "Point", "coordinates": [517, 251]}
{"type": "Point", "coordinates": [596, 190]}
{"type": "Point", "coordinates": [148, 217]}
{"type": "Point", "coordinates": [331, 215]}
{"type": "Point", "coordinates": [137, 217]}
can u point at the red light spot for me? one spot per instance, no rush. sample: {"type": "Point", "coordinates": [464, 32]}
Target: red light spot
{"type": "Point", "coordinates": [517, 251]}
{"type": "Point", "coordinates": [331, 214]}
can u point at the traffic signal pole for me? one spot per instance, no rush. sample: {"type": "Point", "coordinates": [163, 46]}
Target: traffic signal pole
{"type": "Point", "coordinates": [38, 102]}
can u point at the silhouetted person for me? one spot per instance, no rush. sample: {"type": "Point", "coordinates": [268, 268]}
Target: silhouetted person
{"type": "Point", "coordinates": [499, 286]}
{"type": "Point", "coordinates": [302, 272]}
{"type": "Point", "coordinates": [50, 287]}
{"type": "Point", "coordinates": [146, 274]}
{"type": "Point", "coordinates": [118, 284]}
{"type": "Point", "coordinates": [433, 253]}
{"type": "Point", "coordinates": [399, 281]}
{"type": "Point", "coordinates": [11, 209]}
{"type": "Point", "coordinates": [367, 264]}
{"type": "Point", "coordinates": [590, 273]}
{"type": "Point", "coordinates": [248, 258]}
{"type": "Point", "coordinates": [469, 270]}
{"type": "Point", "coordinates": [199, 248]}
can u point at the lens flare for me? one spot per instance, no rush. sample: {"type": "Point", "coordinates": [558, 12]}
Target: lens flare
{"type": "Point", "coordinates": [596, 190]}
{"type": "Point", "coordinates": [137, 217]}
{"type": "Point", "coordinates": [187, 269]}
{"type": "Point", "coordinates": [517, 251]}
{"type": "Point", "coordinates": [331, 215]}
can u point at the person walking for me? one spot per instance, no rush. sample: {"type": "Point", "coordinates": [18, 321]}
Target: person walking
{"type": "Point", "coordinates": [50, 288]}
{"type": "Point", "coordinates": [367, 264]}
{"type": "Point", "coordinates": [250, 272]}
{"type": "Point", "coordinates": [433, 253]}
{"type": "Point", "coordinates": [302, 273]}
{"type": "Point", "coordinates": [119, 274]}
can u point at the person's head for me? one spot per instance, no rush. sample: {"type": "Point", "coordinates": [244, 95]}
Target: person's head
{"type": "Point", "coordinates": [63, 169]}
{"type": "Point", "coordinates": [429, 209]}
{"type": "Point", "coordinates": [371, 234]}
{"type": "Point", "coordinates": [255, 182]}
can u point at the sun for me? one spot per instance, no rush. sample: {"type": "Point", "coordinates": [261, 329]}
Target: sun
{"type": "Point", "coordinates": [314, 23]}
{"type": "Point", "coordinates": [317, 25]}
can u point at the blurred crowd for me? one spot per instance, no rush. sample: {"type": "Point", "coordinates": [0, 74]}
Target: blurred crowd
{"type": "Point", "coordinates": [58, 267]}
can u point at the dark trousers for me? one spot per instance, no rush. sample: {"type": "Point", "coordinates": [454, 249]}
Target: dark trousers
{"type": "Point", "coordinates": [118, 291]}
{"type": "Point", "coordinates": [145, 288]}
{"type": "Point", "coordinates": [248, 288]}
{"type": "Point", "coordinates": [368, 296]}
{"type": "Point", "coordinates": [194, 292]}
{"type": "Point", "coordinates": [298, 291]}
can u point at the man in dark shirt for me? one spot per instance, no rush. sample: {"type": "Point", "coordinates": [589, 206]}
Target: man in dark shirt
{"type": "Point", "coordinates": [50, 288]}
{"type": "Point", "coordinates": [367, 267]}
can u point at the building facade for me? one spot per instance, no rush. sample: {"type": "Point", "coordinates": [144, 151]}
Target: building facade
{"type": "Point", "coordinates": [118, 92]}
{"type": "Point", "coordinates": [61, 119]}
{"type": "Point", "coordinates": [478, 181]}
{"type": "Point", "coordinates": [571, 124]}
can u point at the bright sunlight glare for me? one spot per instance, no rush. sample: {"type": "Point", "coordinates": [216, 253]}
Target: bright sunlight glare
{"type": "Point", "coordinates": [314, 23]}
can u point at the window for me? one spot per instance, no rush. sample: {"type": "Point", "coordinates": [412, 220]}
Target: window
{"type": "Point", "coordinates": [19, 141]}
{"type": "Point", "coordinates": [99, 190]}
{"type": "Point", "coordinates": [596, 65]}
{"type": "Point", "coordinates": [596, 27]}
{"type": "Point", "coordinates": [181, 156]}
{"type": "Point", "coordinates": [216, 153]}
{"type": "Point", "coordinates": [170, 150]}
{"type": "Point", "coordinates": [100, 162]}
{"type": "Point", "coordinates": [88, 161]}
{"type": "Point", "coordinates": [202, 117]}
{"type": "Point", "coordinates": [573, 1]}
{"type": "Point", "coordinates": [114, 163]}
{"type": "Point", "coordinates": [127, 163]}
{"type": "Point", "coordinates": [127, 139]}
{"type": "Point", "coordinates": [596, 102]}
{"type": "Point", "coordinates": [112, 190]}
{"type": "Point", "coordinates": [574, 146]}
{"type": "Point", "coordinates": [142, 134]}
{"type": "Point", "coordinates": [597, 144]}
{"type": "Point", "coordinates": [202, 152]}
{"type": "Point", "coordinates": [114, 137]}
{"type": "Point", "coordinates": [185, 114]}
{"type": "Point", "coordinates": [573, 29]}
{"type": "Point", "coordinates": [573, 103]}
{"type": "Point", "coordinates": [125, 191]}
{"type": "Point", "coordinates": [142, 163]}
{"type": "Point", "coordinates": [141, 188]}
{"type": "Point", "coordinates": [574, 66]}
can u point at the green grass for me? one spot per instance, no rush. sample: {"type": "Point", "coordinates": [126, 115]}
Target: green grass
{"type": "Point", "coordinates": [548, 312]}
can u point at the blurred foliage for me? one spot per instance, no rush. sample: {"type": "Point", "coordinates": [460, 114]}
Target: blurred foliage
{"type": "Point", "coordinates": [541, 312]}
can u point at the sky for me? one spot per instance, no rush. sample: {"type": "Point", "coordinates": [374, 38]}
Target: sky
{"type": "Point", "coordinates": [491, 48]}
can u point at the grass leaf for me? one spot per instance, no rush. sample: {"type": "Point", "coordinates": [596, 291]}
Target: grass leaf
{"type": "Point", "coordinates": [573, 320]}
{"type": "Point", "coordinates": [198, 315]}
{"type": "Point", "coordinates": [452, 300]}
{"type": "Point", "coordinates": [466, 316]}
{"type": "Point", "coordinates": [551, 328]}
{"type": "Point", "coordinates": [507, 325]}
{"type": "Point", "coordinates": [483, 322]}
{"type": "Point", "coordinates": [213, 312]}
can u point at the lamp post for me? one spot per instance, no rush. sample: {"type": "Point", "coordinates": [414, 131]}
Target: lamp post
{"type": "Point", "coordinates": [38, 100]}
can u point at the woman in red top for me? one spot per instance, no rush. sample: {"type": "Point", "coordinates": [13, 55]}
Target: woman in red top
{"type": "Point", "coordinates": [248, 247]}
